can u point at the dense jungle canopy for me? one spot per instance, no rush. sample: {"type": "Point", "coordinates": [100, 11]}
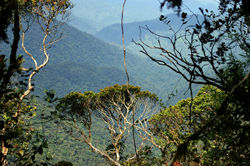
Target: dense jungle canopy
{"type": "Point", "coordinates": [124, 124]}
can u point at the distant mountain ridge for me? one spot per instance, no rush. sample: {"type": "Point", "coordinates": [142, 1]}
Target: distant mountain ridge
{"type": "Point", "coordinates": [102, 13]}
{"type": "Point", "coordinates": [92, 16]}
{"type": "Point", "coordinates": [113, 32]}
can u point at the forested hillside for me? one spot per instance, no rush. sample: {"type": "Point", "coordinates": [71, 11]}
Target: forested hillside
{"type": "Point", "coordinates": [65, 98]}
{"type": "Point", "coordinates": [82, 62]}
{"type": "Point", "coordinates": [96, 65]}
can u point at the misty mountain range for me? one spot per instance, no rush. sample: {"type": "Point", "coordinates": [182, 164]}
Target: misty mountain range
{"type": "Point", "coordinates": [92, 16]}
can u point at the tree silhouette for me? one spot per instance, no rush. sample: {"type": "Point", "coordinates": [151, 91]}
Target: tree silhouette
{"type": "Point", "coordinates": [216, 52]}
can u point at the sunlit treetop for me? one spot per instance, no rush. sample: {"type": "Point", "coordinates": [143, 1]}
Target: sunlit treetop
{"type": "Point", "coordinates": [112, 92]}
{"type": "Point", "coordinates": [125, 90]}
{"type": "Point", "coordinates": [40, 6]}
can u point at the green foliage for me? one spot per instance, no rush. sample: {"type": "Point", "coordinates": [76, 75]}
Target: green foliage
{"type": "Point", "coordinates": [173, 125]}
{"type": "Point", "coordinates": [126, 91]}
{"type": "Point", "coordinates": [212, 128]}
{"type": "Point", "coordinates": [63, 163]}
{"type": "Point", "coordinates": [114, 106]}
{"type": "Point", "coordinates": [81, 62]}
{"type": "Point", "coordinates": [18, 135]}
{"type": "Point", "coordinates": [203, 130]}
{"type": "Point", "coordinates": [80, 104]}
{"type": "Point", "coordinates": [146, 157]}
{"type": "Point", "coordinates": [70, 71]}
{"type": "Point", "coordinates": [215, 144]}
{"type": "Point", "coordinates": [20, 142]}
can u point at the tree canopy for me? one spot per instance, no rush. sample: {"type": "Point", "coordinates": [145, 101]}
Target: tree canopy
{"type": "Point", "coordinates": [115, 106]}
{"type": "Point", "coordinates": [218, 55]}
{"type": "Point", "coordinates": [16, 107]}
{"type": "Point", "coordinates": [211, 128]}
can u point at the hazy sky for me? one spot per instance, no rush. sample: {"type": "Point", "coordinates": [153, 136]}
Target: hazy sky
{"type": "Point", "coordinates": [205, 2]}
{"type": "Point", "coordinates": [215, 2]}
{"type": "Point", "coordinates": [107, 12]}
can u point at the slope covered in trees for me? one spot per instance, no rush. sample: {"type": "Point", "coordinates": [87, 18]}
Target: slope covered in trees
{"type": "Point", "coordinates": [20, 143]}
{"type": "Point", "coordinates": [221, 125]}
{"type": "Point", "coordinates": [94, 59]}
{"type": "Point", "coordinates": [81, 62]}
{"type": "Point", "coordinates": [72, 76]}
{"type": "Point", "coordinates": [210, 128]}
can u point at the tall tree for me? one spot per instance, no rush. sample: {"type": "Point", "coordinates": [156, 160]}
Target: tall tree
{"type": "Point", "coordinates": [216, 53]}
{"type": "Point", "coordinates": [114, 107]}
{"type": "Point", "coordinates": [217, 144]}
{"type": "Point", "coordinates": [49, 14]}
